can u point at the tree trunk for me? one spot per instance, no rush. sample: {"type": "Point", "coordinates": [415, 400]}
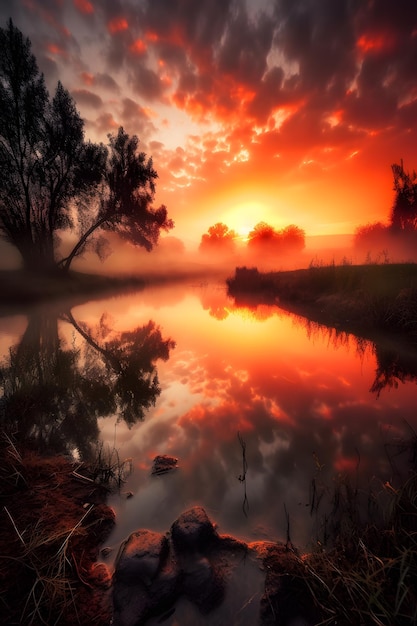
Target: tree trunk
{"type": "Point", "coordinates": [81, 243]}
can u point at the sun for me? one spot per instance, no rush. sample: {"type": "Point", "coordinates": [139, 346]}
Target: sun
{"type": "Point", "coordinates": [242, 232]}
{"type": "Point", "coordinates": [244, 216]}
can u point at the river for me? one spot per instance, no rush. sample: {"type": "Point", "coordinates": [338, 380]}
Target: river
{"type": "Point", "coordinates": [269, 415]}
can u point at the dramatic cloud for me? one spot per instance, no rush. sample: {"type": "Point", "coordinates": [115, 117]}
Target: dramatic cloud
{"type": "Point", "coordinates": [288, 100]}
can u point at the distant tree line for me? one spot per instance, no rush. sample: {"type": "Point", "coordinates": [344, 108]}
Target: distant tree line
{"type": "Point", "coordinates": [54, 181]}
{"type": "Point", "coordinates": [262, 238]}
{"type": "Point", "coordinates": [401, 228]}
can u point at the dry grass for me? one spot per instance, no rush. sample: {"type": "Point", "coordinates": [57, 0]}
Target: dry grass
{"type": "Point", "coordinates": [52, 526]}
{"type": "Point", "coordinates": [364, 568]}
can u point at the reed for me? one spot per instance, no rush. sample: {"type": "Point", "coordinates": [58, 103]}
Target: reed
{"type": "Point", "coordinates": [363, 569]}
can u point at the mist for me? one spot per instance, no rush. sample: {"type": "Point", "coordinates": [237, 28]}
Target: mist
{"type": "Point", "coordinates": [173, 259]}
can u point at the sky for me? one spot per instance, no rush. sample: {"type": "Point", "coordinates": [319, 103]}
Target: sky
{"type": "Point", "coordinates": [283, 111]}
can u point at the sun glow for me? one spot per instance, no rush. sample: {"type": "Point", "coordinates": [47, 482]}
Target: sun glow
{"type": "Point", "coordinates": [243, 217]}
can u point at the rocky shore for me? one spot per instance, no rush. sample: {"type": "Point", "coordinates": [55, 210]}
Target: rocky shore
{"type": "Point", "coordinates": [194, 575]}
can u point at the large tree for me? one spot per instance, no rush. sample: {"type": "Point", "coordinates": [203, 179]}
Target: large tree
{"type": "Point", "coordinates": [124, 202]}
{"type": "Point", "coordinates": [53, 180]}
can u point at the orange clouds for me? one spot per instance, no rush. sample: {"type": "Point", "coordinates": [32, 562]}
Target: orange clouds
{"type": "Point", "coordinates": [138, 47]}
{"type": "Point", "coordinates": [117, 25]}
{"type": "Point", "coordinates": [87, 78]}
{"type": "Point", "coordinates": [271, 104]}
{"type": "Point", "coordinates": [55, 49]}
{"type": "Point", "coordinates": [84, 6]}
{"type": "Point", "coordinates": [375, 43]}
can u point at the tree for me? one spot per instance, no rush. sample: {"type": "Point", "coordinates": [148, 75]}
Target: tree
{"type": "Point", "coordinates": [371, 236]}
{"type": "Point", "coordinates": [44, 160]}
{"type": "Point", "coordinates": [262, 235]}
{"type": "Point", "coordinates": [125, 200]}
{"type": "Point", "coordinates": [293, 238]}
{"type": "Point", "coordinates": [289, 239]}
{"type": "Point", "coordinates": [53, 180]}
{"type": "Point", "coordinates": [218, 237]}
{"type": "Point", "coordinates": [404, 210]}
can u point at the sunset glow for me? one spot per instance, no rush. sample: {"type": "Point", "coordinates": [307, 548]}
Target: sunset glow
{"type": "Point", "coordinates": [252, 111]}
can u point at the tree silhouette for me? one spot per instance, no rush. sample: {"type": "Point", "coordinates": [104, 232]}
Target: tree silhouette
{"type": "Point", "coordinates": [292, 238]}
{"type": "Point", "coordinates": [404, 210]}
{"type": "Point", "coordinates": [218, 237]}
{"type": "Point", "coordinates": [125, 201]}
{"type": "Point", "coordinates": [262, 235]}
{"type": "Point", "coordinates": [265, 237]}
{"type": "Point", "coordinates": [53, 180]}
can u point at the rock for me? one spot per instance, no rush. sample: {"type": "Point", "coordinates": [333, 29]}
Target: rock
{"type": "Point", "coordinates": [145, 580]}
{"type": "Point", "coordinates": [130, 604]}
{"type": "Point", "coordinates": [141, 557]}
{"type": "Point", "coordinates": [202, 584]}
{"type": "Point", "coordinates": [192, 530]}
{"type": "Point", "coordinates": [164, 463]}
{"type": "Point", "coordinates": [212, 573]}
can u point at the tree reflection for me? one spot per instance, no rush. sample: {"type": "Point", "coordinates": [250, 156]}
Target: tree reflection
{"type": "Point", "coordinates": [54, 392]}
{"type": "Point", "coordinates": [395, 362]}
{"type": "Point", "coordinates": [394, 366]}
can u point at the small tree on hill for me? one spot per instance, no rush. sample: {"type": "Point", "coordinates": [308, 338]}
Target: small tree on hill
{"type": "Point", "coordinates": [293, 238]}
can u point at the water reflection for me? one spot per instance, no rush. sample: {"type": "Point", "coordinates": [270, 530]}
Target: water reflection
{"type": "Point", "coordinates": [301, 401]}
{"type": "Point", "coordinates": [55, 389]}
{"type": "Point", "coordinates": [396, 360]}
{"type": "Point", "coordinates": [296, 394]}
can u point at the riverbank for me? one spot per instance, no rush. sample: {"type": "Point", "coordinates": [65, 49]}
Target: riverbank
{"type": "Point", "coordinates": [355, 298]}
{"type": "Point", "coordinates": [19, 288]}
{"type": "Point", "coordinates": [54, 520]}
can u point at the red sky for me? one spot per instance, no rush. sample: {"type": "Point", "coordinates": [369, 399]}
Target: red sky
{"type": "Point", "coordinates": [287, 111]}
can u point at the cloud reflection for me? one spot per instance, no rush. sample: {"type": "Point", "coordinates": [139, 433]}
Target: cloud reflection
{"type": "Point", "coordinates": [300, 399]}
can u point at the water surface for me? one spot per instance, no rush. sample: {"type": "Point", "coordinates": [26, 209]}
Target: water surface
{"type": "Point", "coordinates": [181, 370]}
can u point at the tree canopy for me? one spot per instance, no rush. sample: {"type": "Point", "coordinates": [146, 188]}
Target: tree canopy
{"type": "Point", "coordinates": [54, 180]}
{"type": "Point", "coordinates": [289, 239]}
{"type": "Point", "coordinates": [218, 237]}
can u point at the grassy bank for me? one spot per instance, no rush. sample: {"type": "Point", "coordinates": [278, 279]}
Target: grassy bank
{"type": "Point", "coordinates": [352, 296]}
{"type": "Point", "coordinates": [53, 520]}
{"type": "Point", "coordinates": [363, 569]}
{"type": "Point", "coordinates": [20, 289]}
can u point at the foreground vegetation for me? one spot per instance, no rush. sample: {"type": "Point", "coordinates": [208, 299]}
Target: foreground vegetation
{"type": "Point", "coordinates": [355, 297]}
{"type": "Point", "coordinates": [53, 519]}
{"type": "Point", "coordinates": [363, 569]}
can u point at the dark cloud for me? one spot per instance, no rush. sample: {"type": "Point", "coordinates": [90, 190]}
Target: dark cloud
{"type": "Point", "coordinates": [245, 47]}
{"type": "Point", "coordinates": [295, 84]}
{"type": "Point", "coordinates": [107, 82]}
{"type": "Point", "coordinates": [134, 116]}
{"type": "Point", "coordinates": [146, 82]}
{"type": "Point", "coordinates": [87, 98]}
